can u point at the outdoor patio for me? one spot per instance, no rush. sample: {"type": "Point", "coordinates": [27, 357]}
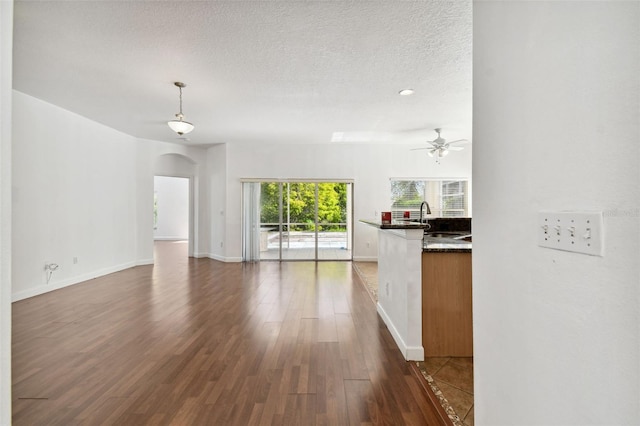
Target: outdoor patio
{"type": "Point", "coordinates": [300, 245]}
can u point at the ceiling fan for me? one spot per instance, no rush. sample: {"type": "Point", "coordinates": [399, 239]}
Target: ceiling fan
{"type": "Point", "coordinates": [440, 147]}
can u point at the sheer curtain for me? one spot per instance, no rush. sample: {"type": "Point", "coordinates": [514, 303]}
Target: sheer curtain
{"type": "Point", "coordinates": [251, 221]}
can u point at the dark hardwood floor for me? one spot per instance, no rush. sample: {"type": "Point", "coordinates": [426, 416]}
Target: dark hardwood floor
{"type": "Point", "coordinates": [201, 342]}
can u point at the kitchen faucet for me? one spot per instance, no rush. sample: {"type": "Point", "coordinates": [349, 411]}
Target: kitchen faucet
{"type": "Point", "coordinates": [424, 203]}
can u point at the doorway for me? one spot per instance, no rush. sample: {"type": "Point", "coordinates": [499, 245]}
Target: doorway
{"type": "Point", "coordinates": [297, 220]}
{"type": "Point", "coordinates": [174, 165]}
{"type": "Point", "coordinates": [171, 210]}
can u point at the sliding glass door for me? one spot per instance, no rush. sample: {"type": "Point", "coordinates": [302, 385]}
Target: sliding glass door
{"type": "Point", "coordinates": [300, 220]}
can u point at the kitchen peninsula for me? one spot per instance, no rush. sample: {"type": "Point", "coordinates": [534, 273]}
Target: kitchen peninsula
{"type": "Point", "coordinates": [403, 251]}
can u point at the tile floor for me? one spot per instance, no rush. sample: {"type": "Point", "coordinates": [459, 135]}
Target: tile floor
{"type": "Point", "coordinates": [450, 378]}
{"type": "Point", "coordinates": [453, 377]}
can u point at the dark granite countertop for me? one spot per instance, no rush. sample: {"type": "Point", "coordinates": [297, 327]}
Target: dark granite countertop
{"type": "Point", "coordinates": [430, 244]}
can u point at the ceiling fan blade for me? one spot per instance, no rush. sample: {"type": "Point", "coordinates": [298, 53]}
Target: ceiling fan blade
{"type": "Point", "coordinates": [418, 149]}
{"type": "Point", "coordinates": [455, 148]}
{"type": "Point", "coordinates": [458, 141]}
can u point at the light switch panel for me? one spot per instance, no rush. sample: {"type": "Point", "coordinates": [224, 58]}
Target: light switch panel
{"type": "Point", "coordinates": [580, 232]}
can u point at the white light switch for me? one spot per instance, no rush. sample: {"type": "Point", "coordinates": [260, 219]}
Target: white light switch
{"type": "Point", "coordinates": [580, 232]}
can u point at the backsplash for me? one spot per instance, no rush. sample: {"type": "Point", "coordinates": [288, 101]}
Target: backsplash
{"type": "Point", "coordinates": [450, 224]}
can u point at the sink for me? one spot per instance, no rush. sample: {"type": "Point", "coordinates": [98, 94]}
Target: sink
{"type": "Point", "coordinates": [418, 221]}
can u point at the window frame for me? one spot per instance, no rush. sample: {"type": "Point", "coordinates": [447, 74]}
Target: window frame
{"type": "Point", "coordinates": [433, 191]}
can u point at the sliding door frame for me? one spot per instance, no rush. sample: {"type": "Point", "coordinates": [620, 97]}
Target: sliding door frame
{"type": "Point", "coordinates": [349, 215]}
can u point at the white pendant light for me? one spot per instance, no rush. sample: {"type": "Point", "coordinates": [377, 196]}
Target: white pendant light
{"type": "Point", "coordinates": [180, 126]}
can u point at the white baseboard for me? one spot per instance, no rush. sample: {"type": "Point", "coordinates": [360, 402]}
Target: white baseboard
{"type": "Point", "coordinates": [224, 259]}
{"type": "Point", "coordinates": [200, 255]}
{"type": "Point", "coordinates": [170, 238]}
{"type": "Point", "coordinates": [415, 353]}
{"type": "Point", "coordinates": [410, 353]}
{"type": "Point", "coordinates": [46, 288]}
{"type": "Point", "coordinates": [145, 262]}
{"type": "Point", "coordinates": [365, 258]}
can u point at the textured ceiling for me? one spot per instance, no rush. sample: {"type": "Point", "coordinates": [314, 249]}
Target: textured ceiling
{"type": "Point", "coordinates": [274, 71]}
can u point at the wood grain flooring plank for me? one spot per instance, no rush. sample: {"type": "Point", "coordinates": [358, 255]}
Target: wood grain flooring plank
{"type": "Point", "coordinates": [361, 402]}
{"type": "Point", "coordinates": [103, 410]}
{"type": "Point", "coordinates": [201, 342]}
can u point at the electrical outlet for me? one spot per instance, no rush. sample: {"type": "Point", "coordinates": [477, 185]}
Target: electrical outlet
{"type": "Point", "coordinates": [387, 289]}
{"type": "Point", "coordinates": [75, 260]}
{"type": "Point", "coordinates": [50, 266]}
{"type": "Point", "coordinates": [579, 232]}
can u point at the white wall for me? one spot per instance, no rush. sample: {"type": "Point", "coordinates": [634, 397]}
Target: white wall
{"type": "Point", "coordinates": [173, 208]}
{"type": "Point", "coordinates": [217, 180]}
{"type": "Point", "coordinates": [74, 196]}
{"type": "Point", "coordinates": [82, 190]}
{"type": "Point", "coordinates": [556, 127]}
{"type": "Point", "coordinates": [369, 165]}
{"type": "Point", "coordinates": [169, 159]}
{"type": "Point", "coordinates": [6, 48]}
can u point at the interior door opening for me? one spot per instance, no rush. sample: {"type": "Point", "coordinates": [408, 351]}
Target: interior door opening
{"type": "Point", "coordinates": [297, 220]}
{"type": "Point", "coordinates": [172, 210]}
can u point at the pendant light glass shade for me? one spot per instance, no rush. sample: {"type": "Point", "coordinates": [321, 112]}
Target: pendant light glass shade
{"type": "Point", "coordinates": [180, 126]}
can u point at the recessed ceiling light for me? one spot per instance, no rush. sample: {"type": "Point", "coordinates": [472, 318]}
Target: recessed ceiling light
{"type": "Point", "coordinates": [406, 92]}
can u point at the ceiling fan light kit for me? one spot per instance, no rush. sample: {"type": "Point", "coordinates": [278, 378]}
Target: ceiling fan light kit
{"type": "Point", "coordinates": [438, 152]}
{"type": "Point", "coordinates": [180, 126]}
{"type": "Point", "coordinates": [440, 147]}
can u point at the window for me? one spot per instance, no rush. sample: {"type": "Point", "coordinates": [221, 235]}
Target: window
{"type": "Point", "coordinates": [453, 198]}
{"type": "Point", "coordinates": [446, 198]}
